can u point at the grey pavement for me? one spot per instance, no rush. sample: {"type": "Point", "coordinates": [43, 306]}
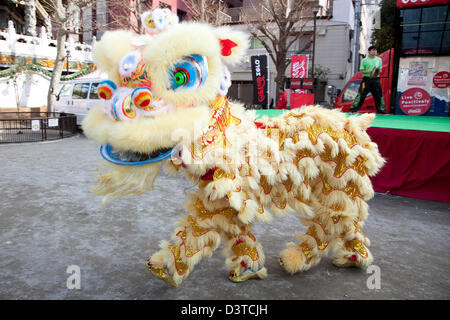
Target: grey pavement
{"type": "Point", "coordinates": [49, 221]}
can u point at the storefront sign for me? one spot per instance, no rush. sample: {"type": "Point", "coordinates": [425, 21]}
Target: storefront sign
{"type": "Point", "coordinates": [260, 80]}
{"type": "Point", "coordinates": [299, 69]}
{"type": "Point", "coordinates": [415, 101]}
{"type": "Point", "coordinates": [441, 79]}
{"type": "Point", "coordinates": [419, 3]}
{"type": "Point", "coordinates": [306, 83]}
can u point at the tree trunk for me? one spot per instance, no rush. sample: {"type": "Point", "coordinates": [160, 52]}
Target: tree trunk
{"type": "Point", "coordinates": [280, 78]}
{"type": "Point", "coordinates": [57, 70]}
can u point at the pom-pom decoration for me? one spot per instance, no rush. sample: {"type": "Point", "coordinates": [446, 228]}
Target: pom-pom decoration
{"type": "Point", "coordinates": [142, 98]}
{"type": "Point", "coordinates": [158, 20]}
{"type": "Point", "coordinates": [105, 89]}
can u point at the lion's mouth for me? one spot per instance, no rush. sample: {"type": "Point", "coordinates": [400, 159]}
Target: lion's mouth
{"type": "Point", "coordinates": [133, 158]}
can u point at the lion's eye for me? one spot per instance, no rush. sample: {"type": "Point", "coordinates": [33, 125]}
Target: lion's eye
{"type": "Point", "coordinates": [189, 72]}
{"type": "Point", "coordinates": [181, 76]}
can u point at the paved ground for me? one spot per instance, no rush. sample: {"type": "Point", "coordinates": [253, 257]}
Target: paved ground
{"type": "Point", "coordinates": [49, 221]}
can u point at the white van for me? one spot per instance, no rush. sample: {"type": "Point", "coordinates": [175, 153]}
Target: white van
{"type": "Point", "coordinates": [79, 96]}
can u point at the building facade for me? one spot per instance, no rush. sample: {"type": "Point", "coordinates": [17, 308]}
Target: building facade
{"type": "Point", "coordinates": [334, 45]}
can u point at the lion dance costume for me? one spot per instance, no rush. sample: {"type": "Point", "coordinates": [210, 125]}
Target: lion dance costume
{"type": "Point", "coordinates": [165, 106]}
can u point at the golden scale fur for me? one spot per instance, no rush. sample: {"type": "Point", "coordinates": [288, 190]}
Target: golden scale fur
{"type": "Point", "coordinates": [311, 161]}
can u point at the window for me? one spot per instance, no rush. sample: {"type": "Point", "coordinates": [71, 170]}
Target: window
{"type": "Point", "coordinates": [255, 44]}
{"type": "Point", "coordinates": [80, 91]}
{"type": "Point", "coordinates": [351, 91]}
{"type": "Point", "coordinates": [163, 5]}
{"type": "Point", "coordinates": [65, 90]}
{"type": "Point", "coordinates": [424, 30]}
{"type": "Point", "coordinates": [93, 91]}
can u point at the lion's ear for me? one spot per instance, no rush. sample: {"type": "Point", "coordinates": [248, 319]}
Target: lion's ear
{"type": "Point", "coordinates": [234, 44]}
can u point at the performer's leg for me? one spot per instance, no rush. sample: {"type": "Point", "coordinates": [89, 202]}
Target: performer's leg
{"type": "Point", "coordinates": [313, 245]}
{"type": "Point", "coordinates": [349, 243]}
{"type": "Point", "coordinates": [244, 256]}
{"type": "Point", "coordinates": [378, 96]}
{"type": "Point", "coordinates": [189, 244]}
{"type": "Point", "coordinates": [362, 93]}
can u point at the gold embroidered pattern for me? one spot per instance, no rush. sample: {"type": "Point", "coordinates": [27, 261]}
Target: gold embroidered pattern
{"type": "Point", "coordinates": [322, 245]}
{"type": "Point", "coordinates": [304, 153]}
{"type": "Point", "coordinates": [307, 251]}
{"type": "Point", "coordinates": [219, 174]}
{"type": "Point", "coordinates": [357, 228]}
{"type": "Point", "coordinates": [337, 207]}
{"type": "Point", "coordinates": [336, 219]}
{"type": "Point", "coordinates": [181, 267]}
{"type": "Point", "coordinates": [228, 212]}
{"type": "Point", "coordinates": [241, 249]}
{"type": "Point", "coordinates": [341, 167]}
{"type": "Point", "coordinates": [279, 201]}
{"type": "Point", "coordinates": [214, 136]}
{"type": "Point", "coordinates": [197, 231]}
{"type": "Point", "coordinates": [161, 274]}
{"type": "Point", "coordinates": [357, 246]}
{"type": "Point", "coordinates": [315, 130]}
{"type": "Point", "coordinates": [288, 184]}
{"type": "Point", "coordinates": [265, 185]}
{"type": "Point", "coordinates": [277, 134]}
{"type": "Point", "coordinates": [261, 209]}
{"type": "Point", "coordinates": [352, 190]}
{"type": "Point", "coordinates": [327, 188]}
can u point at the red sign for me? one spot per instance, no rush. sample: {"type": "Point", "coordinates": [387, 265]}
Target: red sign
{"type": "Point", "coordinates": [301, 99]}
{"type": "Point", "coordinates": [260, 85]}
{"type": "Point", "coordinates": [415, 101]}
{"type": "Point", "coordinates": [299, 66]}
{"type": "Point", "coordinates": [306, 83]}
{"type": "Point", "coordinates": [419, 3]}
{"type": "Point", "coordinates": [441, 79]}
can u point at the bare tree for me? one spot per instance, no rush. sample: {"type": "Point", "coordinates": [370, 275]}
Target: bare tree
{"type": "Point", "coordinates": [280, 25]}
{"type": "Point", "coordinates": [208, 11]}
{"type": "Point", "coordinates": [127, 14]}
{"type": "Point", "coordinates": [62, 16]}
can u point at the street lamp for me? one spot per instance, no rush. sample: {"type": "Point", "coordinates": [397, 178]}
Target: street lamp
{"type": "Point", "coordinates": [67, 65]}
{"type": "Point", "coordinates": [315, 9]}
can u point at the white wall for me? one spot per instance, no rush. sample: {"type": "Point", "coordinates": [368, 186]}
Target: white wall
{"type": "Point", "coordinates": [31, 90]}
{"type": "Point", "coordinates": [343, 11]}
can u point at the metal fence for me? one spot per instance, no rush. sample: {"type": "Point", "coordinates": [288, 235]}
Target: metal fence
{"type": "Point", "coordinates": [16, 127]}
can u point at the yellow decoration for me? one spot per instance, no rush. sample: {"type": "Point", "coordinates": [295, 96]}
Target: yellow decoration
{"type": "Point", "coordinates": [357, 246]}
{"type": "Point", "coordinates": [314, 161]}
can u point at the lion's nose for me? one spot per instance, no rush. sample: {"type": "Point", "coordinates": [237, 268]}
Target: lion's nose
{"type": "Point", "coordinates": [142, 98]}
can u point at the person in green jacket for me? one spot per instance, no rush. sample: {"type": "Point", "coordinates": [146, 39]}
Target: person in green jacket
{"type": "Point", "coordinates": [370, 67]}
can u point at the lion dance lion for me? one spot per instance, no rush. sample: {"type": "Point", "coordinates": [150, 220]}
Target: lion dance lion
{"type": "Point", "coordinates": [165, 106]}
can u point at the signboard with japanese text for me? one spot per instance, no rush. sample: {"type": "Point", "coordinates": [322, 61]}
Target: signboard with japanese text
{"type": "Point", "coordinates": [299, 69]}
{"type": "Point", "coordinates": [260, 77]}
